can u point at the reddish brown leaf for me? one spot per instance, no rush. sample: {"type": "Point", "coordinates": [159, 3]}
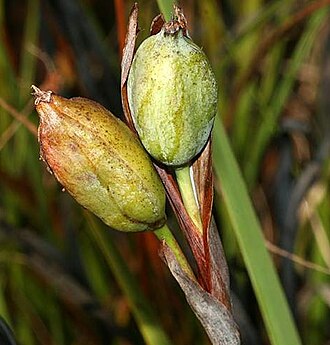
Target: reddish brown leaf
{"type": "Point", "coordinates": [218, 267]}
{"type": "Point", "coordinates": [157, 24]}
{"type": "Point", "coordinates": [128, 52]}
{"type": "Point", "coordinates": [203, 178]}
{"type": "Point", "coordinates": [126, 62]}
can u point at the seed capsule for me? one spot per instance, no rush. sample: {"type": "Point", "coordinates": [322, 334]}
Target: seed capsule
{"type": "Point", "coordinates": [99, 162]}
{"type": "Point", "coordinates": [172, 94]}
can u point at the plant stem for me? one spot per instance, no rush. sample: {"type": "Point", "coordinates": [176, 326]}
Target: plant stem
{"type": "Point", "coordinates": [188, 195]}
{"type": "Point", "coordinates": [166, 7]}
{"type": "Point", "coordinates": [165, 234]}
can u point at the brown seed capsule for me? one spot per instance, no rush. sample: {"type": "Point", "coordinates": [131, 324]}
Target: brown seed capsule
{"type": "Point", "coordinates": [99, 162]}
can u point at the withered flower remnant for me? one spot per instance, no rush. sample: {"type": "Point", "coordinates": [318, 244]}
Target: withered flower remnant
{"type": "Point", "coordinates": [172, 94]}
{"type": "Point", "coordinates": [100, 162]}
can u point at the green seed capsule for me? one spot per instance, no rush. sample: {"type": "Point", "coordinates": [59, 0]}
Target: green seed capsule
{"type": "Point", "coordinates": [172, 94]}
{"type": "Point", "coordinates": [100, 162]}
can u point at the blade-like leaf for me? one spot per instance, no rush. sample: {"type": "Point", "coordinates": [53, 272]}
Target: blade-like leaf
{"type": "Point", "coordinates": [265, 281]}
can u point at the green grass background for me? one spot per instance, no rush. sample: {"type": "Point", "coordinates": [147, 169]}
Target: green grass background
{"type": "Point", "coordinates": [65, 278]}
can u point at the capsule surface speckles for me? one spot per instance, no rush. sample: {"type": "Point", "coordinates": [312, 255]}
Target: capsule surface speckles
{"type": "Point", "coordinates": [100, 162]}
{"type": "Point", "coordinates": [172, 94]}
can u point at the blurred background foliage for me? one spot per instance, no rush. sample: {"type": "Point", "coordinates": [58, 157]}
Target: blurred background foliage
{"type": "Point", "coordinates": [58, 284]}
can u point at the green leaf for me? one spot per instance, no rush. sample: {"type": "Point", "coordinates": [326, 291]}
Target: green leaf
{"type": "Point", "coordinates": [265, 281]}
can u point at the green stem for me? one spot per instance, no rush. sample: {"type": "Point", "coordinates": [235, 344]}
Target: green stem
{"type": "Point", "coordinates": [165, 234]}
{"type": "Point", "coordinates": [166, 7]}
{"type": "Point", "coordinates": [188, 195]}
{"type": "Point", "coordinates": [144, 315]}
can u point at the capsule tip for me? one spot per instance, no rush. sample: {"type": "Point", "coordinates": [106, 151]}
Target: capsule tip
{"type": "Point", "coordinates": [178, 22]}
{"type": "Point", "coordinates": [41, 96]}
